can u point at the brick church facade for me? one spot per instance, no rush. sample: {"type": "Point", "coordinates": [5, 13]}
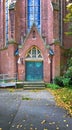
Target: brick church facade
{"type": "Point", "coordinates": [32, 38]}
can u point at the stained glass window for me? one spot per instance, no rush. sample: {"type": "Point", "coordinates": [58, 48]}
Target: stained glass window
{"type": "Point", "coordinates": [34, 52]}
{"type": "Point", "coordinates": [33, 13]}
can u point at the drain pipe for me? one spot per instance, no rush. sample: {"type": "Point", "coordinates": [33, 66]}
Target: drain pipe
{"type": "Point", "coordinates": [51, 53]}
{"type": "Point", "coordinates": [61, 22]}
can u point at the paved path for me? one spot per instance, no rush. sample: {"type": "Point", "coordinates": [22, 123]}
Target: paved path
{"type": "Point", "coordinates": [27, 110]}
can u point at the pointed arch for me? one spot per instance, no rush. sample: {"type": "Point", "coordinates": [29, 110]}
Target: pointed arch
{"type": "Point", "coordinates": [34, 53]}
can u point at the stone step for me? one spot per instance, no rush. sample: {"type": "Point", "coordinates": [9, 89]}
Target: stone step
{"type": "Point", "coordinates": [34, 85]}
{"type": "Point", "coordinates": [33, 88]}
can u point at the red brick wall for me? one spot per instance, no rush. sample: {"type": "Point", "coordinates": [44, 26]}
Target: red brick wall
{"type": "Point", "coordinates": [12, 24]}
{"type": "Point", "coordinates": [50, 22]}
{"type": "Point", "coordinates": [17, 28]}
{"type": "Point", "coordinates": [20, 20]}
{"type": "Point", "coordinates": [46, 20]}
{"type": "Point", "coordinates": [63, 60]}
{"type": "Point", "coordinates": [46, 58]}
{"type": "Point", "coordinates": [38, 42]}
{"type": "Point", "coordinates": [17, 22]}
{"type": "Point", "coordinates": [4, 61]}
{"type": "Point", "coordinates": [12, 59]}
{"type": "Point", "coordinates": [23, 17]}
{"type": "Point", "coordinates": [56, 61]}
{"type": "Point", "coordinates": [67, 40]}
{"type": "Point", "coordinates": [0, 62]}
{"type": "Point", "coordinates": [56, 24]}
{"type": "Point", "coordinates": [2, 24]}
{"type": "Point", "coordinates": [8, 60]}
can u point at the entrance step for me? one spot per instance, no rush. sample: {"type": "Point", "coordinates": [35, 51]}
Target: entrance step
{"type": "Point", "coordinates": [34, 85]}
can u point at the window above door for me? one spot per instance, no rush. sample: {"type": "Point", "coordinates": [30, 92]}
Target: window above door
{"type": "Point", "coordinates": [35, 53]}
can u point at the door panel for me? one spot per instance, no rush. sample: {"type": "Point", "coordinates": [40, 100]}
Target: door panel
{"type": "Point", "coordinates": [34, 71]}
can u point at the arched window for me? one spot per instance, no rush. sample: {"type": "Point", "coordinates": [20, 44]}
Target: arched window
{"type": "Point", "coordinates": [34, 52]}
{"type": "Point", "coordinates": [33, 13]}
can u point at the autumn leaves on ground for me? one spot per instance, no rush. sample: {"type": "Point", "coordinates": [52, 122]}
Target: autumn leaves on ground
{"type": "Point", "coordinates": [63, 97]}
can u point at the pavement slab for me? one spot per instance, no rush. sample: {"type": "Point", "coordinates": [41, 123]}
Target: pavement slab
{"type": "Point", "coordinates": [31, 110]}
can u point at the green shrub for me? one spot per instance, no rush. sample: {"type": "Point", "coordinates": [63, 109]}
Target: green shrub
{"type": "Point", "coordinates": [19, 85]}
{"type": "Point", "coordinates": [59, 81]}
{"type": "Point", "coordinates": [70, 83]}
{"type": "Point", "coordinates": [68, 76]}
{"type": "Point", "coordinates": [66, 81]}
{"type": "Point", "coordinates": [68, 73]}
{"type": "Point", "coordinates": [52, 86]}
{"type": "Point", "coordinates": [63, 81]}
{"type": "Point", "coordinates": [69, 62]}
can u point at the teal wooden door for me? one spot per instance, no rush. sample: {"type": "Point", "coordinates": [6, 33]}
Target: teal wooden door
{"type": "Point", "coordinates": [34, 71]}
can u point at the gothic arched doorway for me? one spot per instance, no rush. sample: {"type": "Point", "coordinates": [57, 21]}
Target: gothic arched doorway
{"type": "Point", "coordinates": [34, 65]}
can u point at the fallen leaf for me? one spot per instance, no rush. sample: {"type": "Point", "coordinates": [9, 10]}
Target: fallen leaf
{"type": "Point", "coordinates": [12, 115]}
{"type": "Point", "coordinates": [20, 126]}
{"type": "Point", "coordinates": [53, 123]}
{"type": "Point", "coordinates": [67, 125]}
{"type": "Point", "coordinates": [31, 128]}
{"type": "Point", "coordinates": [9, 122]}
{"type": "Point", "coordinates": [64, 120]}
{"type": "Point", "coordinates": [17, 126]}
{"type": "Point", "coordinates": [13, 126]}
{"type": "Point", "coordinates": [23, 120]}
{"type": "Point", "coordinates": [31, 124]}
{"type": "Point", "coordinates": [44, 121]}
{"type": "Point", "coordinates": [57, 128]}
{"type": "Point", "coordinates": [0, 128]}
{"type": "Point", "coordinates": [50, 123]}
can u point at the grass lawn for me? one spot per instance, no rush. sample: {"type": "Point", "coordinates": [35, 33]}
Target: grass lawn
{"type": "Point", "coordinates": [63, 97]}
